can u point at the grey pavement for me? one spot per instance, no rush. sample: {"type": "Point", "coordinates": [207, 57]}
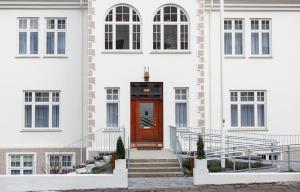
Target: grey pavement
{"type": "Point", "coordinates": [158, 185]}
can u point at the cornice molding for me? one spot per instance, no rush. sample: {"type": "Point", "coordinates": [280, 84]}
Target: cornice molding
{"type": "Point", "coordinates": [255, 5]}
{"type": "Point", "coordinates": [42, 4]}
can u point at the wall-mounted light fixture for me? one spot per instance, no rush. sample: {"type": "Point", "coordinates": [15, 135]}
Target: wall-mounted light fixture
{"type": "Point", "coordinates": [146, 74]}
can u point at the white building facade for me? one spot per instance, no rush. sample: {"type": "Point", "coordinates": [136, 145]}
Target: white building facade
{"type": "Point", "coordinates": [43, 54]}
{"type": "Point", "coordinates": [260, 66]}
{"type": "Point", "coordinates": [76, 74]}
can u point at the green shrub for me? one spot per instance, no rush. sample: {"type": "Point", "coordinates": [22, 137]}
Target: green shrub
{"type": "Point", "coordinates": [120, 151]}
{"type": "Point", "coordinates": [185, 163]}
{"type": "Point", "coordinates": [98, 170]}
{"type": "Point", "coordinates": [200, 148]}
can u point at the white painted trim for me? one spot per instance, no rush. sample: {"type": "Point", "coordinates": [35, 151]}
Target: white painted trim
{"type": "Point", "coordinates": [59, 153]}
{"type": "Point", "coordinates": [21, 153]}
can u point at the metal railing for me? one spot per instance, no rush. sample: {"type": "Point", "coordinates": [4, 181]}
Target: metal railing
{"type": "Point", "coordinates": [102, 140]}
{"type": "Point", "coordinates": [238, 145]}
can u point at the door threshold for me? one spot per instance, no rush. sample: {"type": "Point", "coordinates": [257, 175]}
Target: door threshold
{"type": "Point", "coordinates": [147, 145]}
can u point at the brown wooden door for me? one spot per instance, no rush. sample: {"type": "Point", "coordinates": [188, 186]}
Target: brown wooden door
{"type": "Point", "coordinates": [147, 120]}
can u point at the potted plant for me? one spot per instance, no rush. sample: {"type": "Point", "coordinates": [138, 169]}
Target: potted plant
{"type": "Point", "coordinates": [200, 160]}
{"type": "Point", "coordinates": [120, 162]}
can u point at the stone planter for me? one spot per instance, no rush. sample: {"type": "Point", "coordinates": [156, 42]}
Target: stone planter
{"type": "Point", "coordinates": [199, 170]}
{"type": "Point", "coordinates": [120, 164]}
{"type": "Point", "coordinates": [201, 164]}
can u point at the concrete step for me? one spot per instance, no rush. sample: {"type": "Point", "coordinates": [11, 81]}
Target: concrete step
{"type": "Point", "coordinates": [152, 160]}
{"type": "Point", "coordinates": [153, 164]}
{"type": "Point", "coordinates": [153, 169]}
{"type": "Point", "coordinates": [156, 174]}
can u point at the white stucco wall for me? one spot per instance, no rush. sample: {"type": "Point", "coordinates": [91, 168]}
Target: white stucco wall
{"type": "Point", "coordinates": [18, 74]}
{"type": "Point", "coordinates": [278, 75]}
{"type": "Point", "coordinates": [118, 70]}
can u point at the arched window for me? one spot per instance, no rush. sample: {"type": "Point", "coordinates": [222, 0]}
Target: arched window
{"type": "Point", "coordinates": [122, 29]}
{"type": "Point", "coordinates": [170, 29]}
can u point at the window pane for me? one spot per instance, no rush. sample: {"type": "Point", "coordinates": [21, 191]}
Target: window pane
{"type": "Point", "coordinates": [41, 116]}
{"type": "Point", "coordinates": [22, 43]}
{"type": "Point", "coordinates": [23, 23]}
{"type": "Point", "coordinates": [61, 41]}
{"type": "Point", "coordinates": [247, 115]}
{"type": "Point", "coordinates": [112, 115]}
{"type": "Point", "coordinates": [183, 37]}
{"type": "Point", "coordinates": [15, 172]}
{"type": "Point", "coordinates": [238, 43]}
{"type": "Point", "coordinates": [61, 24]}
{"type": "Point", "coordinates": [33, 42]}
{"type": "Point", "coordinates": [28, 116]}
{"type": "Point", "coordinates": [108, 36]}
{"type": "Point", "coordinates": [260, 115]}
{"type": "Point", "coordinates": [234, 115]}
{"type": "Point", "coordinates": [265, 43]}
{"type": "Point", "coordinates": [27, 160]}
{"type": "Point", "coordinates": [15, 161]}
{"type": "Point", "coordinates": [136, 37]}
{"type": "Point", "coordinates": [55, 116]}
{"type": "Point", "coordinates": [156, 37]}
{"type": "Point", "coordinates": [34, 24]}
{"type": "Point", "coordinates": [228, 43]}
{"type": "Point", "coordinates": [27, 172]}
{"type": "Point", "coordinates": [254, 44]}
{"type": "Point", "coordinates": [170, 37]}
{"type": "Point", "coordinates": [50, 24]}
{"type": "Point", "coordinates": [50, 43]}
{"type": "Point", "coordinates": [42, 96]}
{"type": "Point", "coordinates": [122, 36]}
{"type": "Point", "coordinates": [157, 16]}
{"type": "Point", "coordinates": [181, 115]}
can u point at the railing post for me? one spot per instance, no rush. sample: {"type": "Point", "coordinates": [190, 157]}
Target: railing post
{"type": "Point", "coordinates": [189, 142]}
{"type": "Point", "coordinates": [234, 164]}
{"type": "Point", "coordinates": [173, 137]}
{"type": "Point", "coordinates": [249, 160]}
{"type": "Point", "coordinates": [289, 158]}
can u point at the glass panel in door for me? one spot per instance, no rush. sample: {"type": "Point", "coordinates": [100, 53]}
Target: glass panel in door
{"type": "Point", "coordinates": [146, 115]}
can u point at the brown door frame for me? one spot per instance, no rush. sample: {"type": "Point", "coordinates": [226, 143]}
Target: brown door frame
{"type": "Point", "coordinates": [133, 138]}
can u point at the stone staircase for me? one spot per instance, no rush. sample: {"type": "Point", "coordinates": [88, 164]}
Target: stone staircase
{"type": "Point", "coordinates": [154, 168]}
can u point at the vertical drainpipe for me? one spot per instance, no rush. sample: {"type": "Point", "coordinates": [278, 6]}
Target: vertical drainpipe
{"type": "Point", "coordinates": [221, 82]}
{"type": "Point", "coordinates": [209, 64]}
{"type": "Point", "coordinates": [82, 84]}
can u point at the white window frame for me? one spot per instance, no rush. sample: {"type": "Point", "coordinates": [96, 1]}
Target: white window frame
{"type": "Point", "coordinates": [112, 101]}
{"type": "Point", "coordinates": [178, 23]}
{"type": "Point", "coordinates": [33, 103]}
{"type": "Point", "coordinates": [238, 102]}
{"type": "Point", "coordinates": [55, 30]}
{"type": "Point", "coordinates": [186, 101]}
{"type": "Point", "coordinates": [233, 31]}
{"type": "Point", "coordinates": [130, 23]}
{"type": "Point", "coordinates": [21, 168]}
{"type": "Point", "coordinates": [260, 31]}
{"type": "Point", "coordinates": [60, 154]}
{"type": "Point", "coordinates": [28, 30]}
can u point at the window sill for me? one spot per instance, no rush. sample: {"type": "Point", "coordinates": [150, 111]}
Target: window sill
{"type": "Point", "coordinates": [55, 56]}
{"type": "Point", "coordinates": [122, 52]}
{"type": "Point", "coordinates": [27, 56]}
{"type": "Point", "coordinates": [234, 57]}
{"type": "Point", "coordinates": [112, 130]}
{"type": "Point", "coordinates": [170, 52]}
{"type": "Point", "coordinates": [247, 129]}
{"type": "Point", "coordinates": [41, 130]}
{"type": "Point", "coordinates": [260, 57]}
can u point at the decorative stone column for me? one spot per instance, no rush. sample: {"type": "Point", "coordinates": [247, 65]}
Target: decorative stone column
{"type": "Point", "coordinates": [200, 63]}
{"type": "Point", "coordinates": [91, 69]}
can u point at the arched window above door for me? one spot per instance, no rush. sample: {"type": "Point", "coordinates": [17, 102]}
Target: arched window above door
{"type": "Point", "coordinates": [170, 29]}
{"type": "Point", "coordinates": [122, 29]}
